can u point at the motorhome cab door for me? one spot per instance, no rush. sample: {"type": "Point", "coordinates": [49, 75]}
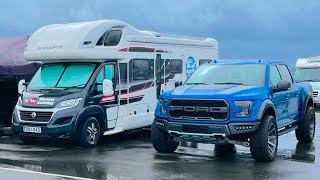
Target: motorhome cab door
{"type": "Point", "coordinates": [110, 104]}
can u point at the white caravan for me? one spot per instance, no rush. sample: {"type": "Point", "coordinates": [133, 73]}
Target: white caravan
{"type": "Point", "coordinates": [101, 78]}
{"type": "Point", "coordinates": [308, 70]}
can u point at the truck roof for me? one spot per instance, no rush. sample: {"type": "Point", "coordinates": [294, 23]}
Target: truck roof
{"type": "Point", "coordinates": [230, 62]}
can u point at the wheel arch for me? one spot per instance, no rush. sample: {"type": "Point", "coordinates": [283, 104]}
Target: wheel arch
{"type": "Point", "coordinates": [308, 101]}
{"type": "Point", "coordinates": [92, 111]}
{"type": "Point", "coordinates": [266, 108]}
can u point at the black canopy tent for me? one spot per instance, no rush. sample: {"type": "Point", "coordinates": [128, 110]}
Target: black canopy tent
{"type": "Point", "coordinates": [13, 67]}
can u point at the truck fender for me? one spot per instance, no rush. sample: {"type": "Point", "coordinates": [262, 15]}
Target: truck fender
{"type": "Point", "coordinates": [93, 110]}
{"type": "Point", "coordinates": [263, 108]}
{"type": "Point", "coordinates": [309, 96]}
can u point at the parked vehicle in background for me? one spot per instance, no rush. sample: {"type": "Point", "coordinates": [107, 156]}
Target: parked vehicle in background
{"type": "Point", "coordinates": [308, 70]}
{"type": "Point", "coordinates": [101, 78]}
{"type": "Point", "coordinates": [250, 105]}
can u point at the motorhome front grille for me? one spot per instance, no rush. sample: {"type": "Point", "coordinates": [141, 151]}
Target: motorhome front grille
{"type": "Point", "coordinates": [315, 94]}
{"type": "Point", "coordinates": [199, 109]}
{"type": "Point", "coordinates": [35, 116]}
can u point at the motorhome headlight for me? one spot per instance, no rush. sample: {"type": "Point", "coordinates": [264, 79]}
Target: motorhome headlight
{"type": "Point", "coordinates": [164, 106]}
{"type": "Point", "coordinates": [245, 108]}
{"type": "Point", "coordinates": [68, 103]}
{"type": "Point", "coordinates": [19, 102]}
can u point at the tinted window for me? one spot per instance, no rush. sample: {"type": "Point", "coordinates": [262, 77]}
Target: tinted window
{"type": "Point", "coordinates": [308, 74]}
{"type": "Point", "coordinates": [284, 72]}
{"type": "Point", "coordinates": [140, 69]}
{"type": "Point", "coordinates": [204, 61]}
{"type": "Point", "coordinates": [176, 66]}
{"type": "Point", "coordinates": [123, 71]}
{"type": "Point", "coordinates": [165, 67]}
{"type": "Point", "coordinates": [112, 38]}
{"type": "Point", "coordinates": [274, 76]}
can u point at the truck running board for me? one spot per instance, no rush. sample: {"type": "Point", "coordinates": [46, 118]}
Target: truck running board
{"type": "Point", "coordinates": [287, 129]}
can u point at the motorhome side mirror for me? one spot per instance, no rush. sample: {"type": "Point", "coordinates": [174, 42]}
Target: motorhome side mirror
{"type": "Point", "coordinates": [178, 83]}
{"type": "Point", "coordinates": [107, 87]}
{"type": "Point", "coordinates": [22, 86]}
{"type": "Point", "coordinates": [282, 85]}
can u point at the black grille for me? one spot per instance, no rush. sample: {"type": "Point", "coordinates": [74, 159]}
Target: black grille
{"type": "Point", "coordinates": [199, 109]}
{"type": "Point", "coordinates": [195, 129]}
{"type": "Point", "coordinates": [315, 94]}
{"type": "Point", "coordinates": [40, 116]}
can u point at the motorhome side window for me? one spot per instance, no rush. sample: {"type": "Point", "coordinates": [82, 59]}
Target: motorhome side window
{"type": "Point", "coordinates": [123, 72]}
{"type": "Point", "coordinates": [140, 69]}
{"type": "Point", "coordinates": [204, 61]}
{"type": "Point", "coordinates": [176, 66]}
{"type": "Point", "coordinates": [107, 72]}
{"type": "Point", "coordinates": [165, 67]}
{"type": "Point", "coordinates": [112, 38]}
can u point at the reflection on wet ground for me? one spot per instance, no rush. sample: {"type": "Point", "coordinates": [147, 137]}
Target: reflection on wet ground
{"type": "Point", "coordinates": [131, 156]}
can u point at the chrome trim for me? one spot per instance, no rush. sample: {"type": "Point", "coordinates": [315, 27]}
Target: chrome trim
{"type": "Point", "coordinates": [201, 118]}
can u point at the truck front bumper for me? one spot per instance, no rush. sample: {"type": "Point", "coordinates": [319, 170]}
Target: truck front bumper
{"type": "Point", "coordinates": [206, 133]}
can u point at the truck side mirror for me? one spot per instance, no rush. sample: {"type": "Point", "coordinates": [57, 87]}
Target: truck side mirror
{"type": "Point", "coordinates": [107, 87]}
{"type": "Point", "coordinates": [178, 83]}
{"type": "Point", "coordinates": [22, 86]}
{"type": "Point", "coordinates": [282, 85]}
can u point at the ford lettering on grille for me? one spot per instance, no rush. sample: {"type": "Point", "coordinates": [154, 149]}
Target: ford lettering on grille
{"type": "Point", "coordinates": [199, 109]}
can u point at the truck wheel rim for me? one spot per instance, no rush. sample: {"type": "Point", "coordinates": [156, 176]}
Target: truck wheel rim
{"type": "Point", "coordinates": [92, 133]}
{"type": "Point", "coordinates": [272, 138]}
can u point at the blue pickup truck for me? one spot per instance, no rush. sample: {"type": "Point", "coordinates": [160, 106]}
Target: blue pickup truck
{"type": "Point", "coordinates": [248, 103]}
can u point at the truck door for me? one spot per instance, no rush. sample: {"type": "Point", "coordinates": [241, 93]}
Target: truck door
{"type": "Point", "coordinates": [293, 94]}
{"type": "Point", "coordinates": [110, 104]}
{"type": "Point", "coordinates": [279, 98]}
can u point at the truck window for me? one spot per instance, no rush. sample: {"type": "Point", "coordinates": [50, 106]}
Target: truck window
{"type": "Point", "coordinates": [274, 76]}
{"type": "Point", "coordinates": [284, 72]}
{"type": "Point", "coordinates": [176, 66]}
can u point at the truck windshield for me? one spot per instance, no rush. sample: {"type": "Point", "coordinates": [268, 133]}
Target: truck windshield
{"type": "Point", "coordinates": [247, 74]}
{"type": "Point", "coordinates": [307, 74]}
{"type": "Point", "coordinates": [51, 76]}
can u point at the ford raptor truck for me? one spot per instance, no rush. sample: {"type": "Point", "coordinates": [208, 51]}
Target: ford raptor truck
{"type": "Point", "coordinates": [248, 103]}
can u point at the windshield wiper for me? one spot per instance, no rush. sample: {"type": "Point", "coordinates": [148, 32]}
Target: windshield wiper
{"type": "Point", "coordinates": [76, 86]}
{"type": "Point", "coordinates": [235, 83]}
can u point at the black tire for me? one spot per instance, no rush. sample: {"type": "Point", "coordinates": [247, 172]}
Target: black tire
{"type": "Point", "coordinates": [28, 140]}
{"type": "Point", "coordinates": [162, 141]}
{"type": "Point", "coordinates": [264, 143]}
{"type": "Point", "coordinates": [306, 129]}
{"type": "Point", "coordinates": [89, 133]}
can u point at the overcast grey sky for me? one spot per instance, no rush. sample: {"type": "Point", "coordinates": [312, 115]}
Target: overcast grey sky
{"type": "Point", "coordinates": [245, 29]}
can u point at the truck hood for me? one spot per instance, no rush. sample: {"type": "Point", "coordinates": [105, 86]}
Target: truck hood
{"type": "Point", "coordinates": [315, 85]}
{"type": "Point", "coordinates": [46, 99]}
{"type": "Point", "coordinates": [228, 92]}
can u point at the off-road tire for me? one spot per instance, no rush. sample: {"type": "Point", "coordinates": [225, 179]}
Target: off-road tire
{"type": "Point", "coordinates": [162, 141]}
{"type": "Point", "coordinates": [84, 139]}
{"type": "Point", "coordinates": [28, 140]}
{"type": "Point", "coordinates": [260, 147]}
{"type": "Point", "coordinates": [306, 129]}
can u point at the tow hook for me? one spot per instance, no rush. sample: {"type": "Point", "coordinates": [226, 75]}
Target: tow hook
{"type": "Point", "coordinates": [241, 143]}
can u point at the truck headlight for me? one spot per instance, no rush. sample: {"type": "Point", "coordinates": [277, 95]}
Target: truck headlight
{"type": "Point", "coordinates": [245, 106]}
{"type": "Point", "coordinates": [164, 106]}
{"type": "Point", "coordinates": [68, 103]}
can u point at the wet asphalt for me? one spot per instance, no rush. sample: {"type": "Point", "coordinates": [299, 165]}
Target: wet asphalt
{"type": "Point", "coordinates": [131, 156]}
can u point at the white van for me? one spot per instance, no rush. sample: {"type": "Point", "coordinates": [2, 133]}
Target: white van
{"type": "Point", "coordinates": [308, 69]}
{"type": "Point", "coordinates": [101, 78]}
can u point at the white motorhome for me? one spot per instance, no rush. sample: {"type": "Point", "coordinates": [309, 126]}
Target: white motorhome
{"type": "Point", "coordinates": [308, 70]}
{"type": "Point", "coordinates": [101, 78]}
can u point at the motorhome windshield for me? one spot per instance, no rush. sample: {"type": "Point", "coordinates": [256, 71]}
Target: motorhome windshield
{"type": "Point", "coordinates": [62, 75]}
{"type": "Point", "coordinates": [307, 74]}
{"type": "Point", "coordinates": [250, 75]}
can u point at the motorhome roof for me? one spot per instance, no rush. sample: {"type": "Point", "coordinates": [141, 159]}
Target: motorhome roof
{"type": "Point", "coordinates": [310, 62]}
{"type": "Point", "coordinates": [76, 41]}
